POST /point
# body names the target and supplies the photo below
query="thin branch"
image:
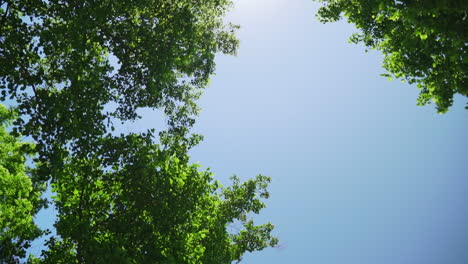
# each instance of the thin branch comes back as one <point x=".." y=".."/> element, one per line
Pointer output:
<point x="4" y="15"/>
<point x="33" y="86"/>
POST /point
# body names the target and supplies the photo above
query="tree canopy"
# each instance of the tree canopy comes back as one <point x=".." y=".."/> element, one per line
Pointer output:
<point x="19" y="198"/>
<point x="73" y="69"/>
<point x="424" y="42"/>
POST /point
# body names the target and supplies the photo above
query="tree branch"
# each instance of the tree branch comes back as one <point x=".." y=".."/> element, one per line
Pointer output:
<point x="4" y="15"/>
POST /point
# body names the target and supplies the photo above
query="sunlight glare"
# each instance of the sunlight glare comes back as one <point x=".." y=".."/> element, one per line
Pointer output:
<point x="257" y="9"/>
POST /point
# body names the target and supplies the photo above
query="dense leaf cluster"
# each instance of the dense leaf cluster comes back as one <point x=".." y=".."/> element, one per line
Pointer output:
<point x="19" y="198"/>
<point x="424" y="42"/>
<point x="75" y="67"/>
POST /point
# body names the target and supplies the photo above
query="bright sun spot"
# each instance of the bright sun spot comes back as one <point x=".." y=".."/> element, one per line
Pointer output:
<point x="257" y="9"/>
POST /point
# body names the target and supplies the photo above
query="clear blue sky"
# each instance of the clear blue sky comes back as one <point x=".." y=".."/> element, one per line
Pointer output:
<point x="361" y="175"/>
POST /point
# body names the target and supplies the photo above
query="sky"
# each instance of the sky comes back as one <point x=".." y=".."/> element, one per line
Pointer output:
<point x="361" y="175"/>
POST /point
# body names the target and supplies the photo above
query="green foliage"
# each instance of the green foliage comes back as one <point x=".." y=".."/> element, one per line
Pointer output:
<point x="19" y="199"/>
<point x="123" y="198"/>
<point x="151" y="207"/>
<point x="424" y="42"/>
<point x="56" y="63"/>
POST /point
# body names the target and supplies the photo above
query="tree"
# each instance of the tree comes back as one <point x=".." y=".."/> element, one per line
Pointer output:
<point x="19" y="198"/>
<point x="424" y="42"/>
<point x="152" y="207"/>
<point x="74" y="69"/>
<point x="55" y="59"/>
